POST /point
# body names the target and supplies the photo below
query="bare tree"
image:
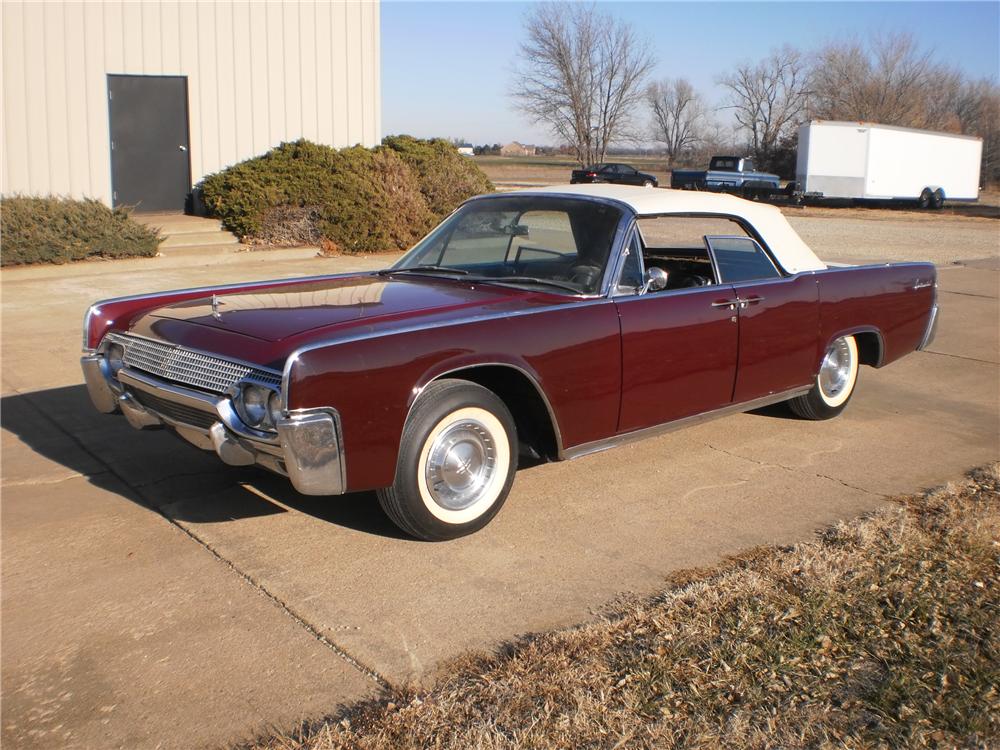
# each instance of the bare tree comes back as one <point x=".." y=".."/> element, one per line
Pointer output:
<point x="581" y="74"/>
<point x="679" y="115"/>
<point x="768" y="98"/>
<point x="890" y="80"/>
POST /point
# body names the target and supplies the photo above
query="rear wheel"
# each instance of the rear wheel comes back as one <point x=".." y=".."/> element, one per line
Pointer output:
<point x="456" y="462"/>
<point x="924" y="201"/>
<point x="937" y="199"/>
<point x="834" y="386"/>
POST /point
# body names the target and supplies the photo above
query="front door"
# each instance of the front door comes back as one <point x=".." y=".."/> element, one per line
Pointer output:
<point x="150" y="161"/>
<point x="678" y="354"/>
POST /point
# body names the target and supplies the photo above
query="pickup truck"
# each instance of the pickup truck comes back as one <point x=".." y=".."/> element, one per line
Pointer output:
<point x="727" y="174"/>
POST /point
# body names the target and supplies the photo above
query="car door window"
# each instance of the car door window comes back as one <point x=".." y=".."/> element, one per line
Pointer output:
<point x="631" y="279"/>
<point x="740" y="259"/>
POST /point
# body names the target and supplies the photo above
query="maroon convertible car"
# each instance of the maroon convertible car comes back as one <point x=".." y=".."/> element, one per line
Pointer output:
<point x="546" y="323"/>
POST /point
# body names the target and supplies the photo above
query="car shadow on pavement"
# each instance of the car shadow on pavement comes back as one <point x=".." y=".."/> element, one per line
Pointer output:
<point x="159" y="471"/>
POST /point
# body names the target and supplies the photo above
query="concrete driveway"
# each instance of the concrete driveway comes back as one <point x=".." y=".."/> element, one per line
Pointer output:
<point x="153" y="597"/>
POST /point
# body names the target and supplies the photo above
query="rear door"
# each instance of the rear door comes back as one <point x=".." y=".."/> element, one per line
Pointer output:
<point x="778" y="319"/>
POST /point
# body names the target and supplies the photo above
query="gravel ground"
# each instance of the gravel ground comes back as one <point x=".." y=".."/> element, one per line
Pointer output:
<point x="849" y="238"/>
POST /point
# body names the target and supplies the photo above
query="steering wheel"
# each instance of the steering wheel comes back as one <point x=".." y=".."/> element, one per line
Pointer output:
<point x="585" y="274"/>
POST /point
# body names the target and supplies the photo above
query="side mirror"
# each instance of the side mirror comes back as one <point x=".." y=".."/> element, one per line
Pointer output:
<point x="656" y="279"/>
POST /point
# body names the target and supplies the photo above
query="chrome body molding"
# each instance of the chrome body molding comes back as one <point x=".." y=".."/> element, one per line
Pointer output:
<point x="95" y="309"/>
<point x="629" y="437"/>
<point x="312" y="444"/>
<point x="932" y="325"/>
<point x="286" y="374"/>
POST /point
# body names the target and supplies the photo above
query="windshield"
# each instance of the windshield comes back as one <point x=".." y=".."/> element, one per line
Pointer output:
<point x="562" y="244"/>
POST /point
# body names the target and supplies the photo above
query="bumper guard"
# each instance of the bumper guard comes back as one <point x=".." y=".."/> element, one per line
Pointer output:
<point x="308" y="446"/>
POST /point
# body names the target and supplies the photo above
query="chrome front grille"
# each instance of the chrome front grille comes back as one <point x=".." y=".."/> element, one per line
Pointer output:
<point x="182" y="365"/>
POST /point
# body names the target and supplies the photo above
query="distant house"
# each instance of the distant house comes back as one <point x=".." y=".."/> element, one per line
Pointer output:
<point x="466" y="149"/>
<point x="517" y="149"/>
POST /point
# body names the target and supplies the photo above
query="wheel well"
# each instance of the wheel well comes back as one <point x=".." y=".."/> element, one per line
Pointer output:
<point x="869" y="348"/>
<point x="535" y="428"/>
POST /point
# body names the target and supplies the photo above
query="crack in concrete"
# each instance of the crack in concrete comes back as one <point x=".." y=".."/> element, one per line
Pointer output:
<point x="959" y="356"/>
<point x="967" y="294"/>
<point x="262" y="590"/>
<point x="172" y="477"/>
<point x="796" y="470"/>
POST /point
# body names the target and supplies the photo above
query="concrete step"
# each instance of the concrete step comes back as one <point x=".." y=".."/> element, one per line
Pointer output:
<point x="200" y="239"/>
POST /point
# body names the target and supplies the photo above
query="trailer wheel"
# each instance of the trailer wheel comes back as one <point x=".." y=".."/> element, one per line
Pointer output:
<point x="937" y="199"/>
<point x="924" y="201"/>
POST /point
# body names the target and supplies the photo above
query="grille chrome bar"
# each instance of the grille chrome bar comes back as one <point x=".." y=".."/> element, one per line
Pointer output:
<point x="183" y="365"/>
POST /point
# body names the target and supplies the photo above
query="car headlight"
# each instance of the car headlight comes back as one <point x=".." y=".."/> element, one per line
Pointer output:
<point x="253" y="406"/>
<point x="115" y="356"/>
<point x="274" y="408"/>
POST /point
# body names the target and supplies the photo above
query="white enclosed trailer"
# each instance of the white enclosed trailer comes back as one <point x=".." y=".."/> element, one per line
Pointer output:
<point x="868" y="161"/>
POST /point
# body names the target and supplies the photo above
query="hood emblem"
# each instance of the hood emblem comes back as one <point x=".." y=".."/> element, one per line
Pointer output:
<point x="215" y="307"/>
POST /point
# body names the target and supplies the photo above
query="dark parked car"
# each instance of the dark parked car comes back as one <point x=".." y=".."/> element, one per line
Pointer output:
<point x="548" y="323"/>
<point x="616" y="174"/>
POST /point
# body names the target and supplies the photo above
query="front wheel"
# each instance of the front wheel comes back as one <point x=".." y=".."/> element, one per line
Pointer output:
<point x="834" y="386"/>
<point x="456" y="462"/>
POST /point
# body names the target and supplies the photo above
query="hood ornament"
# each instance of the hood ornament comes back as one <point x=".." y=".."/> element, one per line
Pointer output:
<point x="215" y="307"/>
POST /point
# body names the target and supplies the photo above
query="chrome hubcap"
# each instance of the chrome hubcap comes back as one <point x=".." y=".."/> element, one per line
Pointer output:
<point x="836" y="369"/>
<point x="460" y="464"/>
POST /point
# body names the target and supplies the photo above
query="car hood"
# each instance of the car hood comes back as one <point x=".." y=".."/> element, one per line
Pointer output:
<point x="293" y="313"/>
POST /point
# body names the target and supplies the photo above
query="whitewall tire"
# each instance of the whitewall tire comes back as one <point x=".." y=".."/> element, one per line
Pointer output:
<point x="456" y="462"/>
<point x="835" y="382"/>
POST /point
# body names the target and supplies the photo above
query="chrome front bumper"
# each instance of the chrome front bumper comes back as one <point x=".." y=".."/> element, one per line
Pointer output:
<point x="307" y="447"/>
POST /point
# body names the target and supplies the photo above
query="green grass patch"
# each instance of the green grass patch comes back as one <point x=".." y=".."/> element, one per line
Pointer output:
<point x="60" y="230"/>
<point x="884" y="632"/>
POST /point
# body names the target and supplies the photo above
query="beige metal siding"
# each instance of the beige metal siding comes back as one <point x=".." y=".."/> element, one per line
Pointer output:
<point x="259" y="73"/>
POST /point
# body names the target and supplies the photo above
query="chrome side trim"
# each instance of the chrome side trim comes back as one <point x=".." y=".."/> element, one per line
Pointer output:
<point x="596" y="446"/>
<point x="312" y="443"/>
<point x="352" y="338"/>
<point x="931" y="330"/>
<point x="95" y="308"/>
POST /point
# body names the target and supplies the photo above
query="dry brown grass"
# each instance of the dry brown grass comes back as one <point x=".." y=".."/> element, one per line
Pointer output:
<point x="882" y="632"/>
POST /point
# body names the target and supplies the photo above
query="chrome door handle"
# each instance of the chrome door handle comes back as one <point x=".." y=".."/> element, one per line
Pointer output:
<point x="751" y="300"/>
<point x="730" y="303"/>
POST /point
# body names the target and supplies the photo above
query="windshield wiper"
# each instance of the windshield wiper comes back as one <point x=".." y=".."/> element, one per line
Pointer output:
<point x="514" y="280"/>
<point x="423" y="269"/>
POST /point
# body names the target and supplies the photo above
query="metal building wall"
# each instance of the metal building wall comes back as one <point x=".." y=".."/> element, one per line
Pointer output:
<point x="258" y="73"/>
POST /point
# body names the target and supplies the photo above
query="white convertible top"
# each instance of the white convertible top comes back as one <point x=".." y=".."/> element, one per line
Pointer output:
<point x="789" y="250"/>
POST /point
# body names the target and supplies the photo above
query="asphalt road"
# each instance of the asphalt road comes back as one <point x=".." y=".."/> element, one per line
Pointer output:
<point x="153" y="597"/>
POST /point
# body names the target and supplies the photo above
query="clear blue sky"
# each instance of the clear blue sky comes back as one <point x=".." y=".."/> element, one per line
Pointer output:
<point x="446" y="65"/>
